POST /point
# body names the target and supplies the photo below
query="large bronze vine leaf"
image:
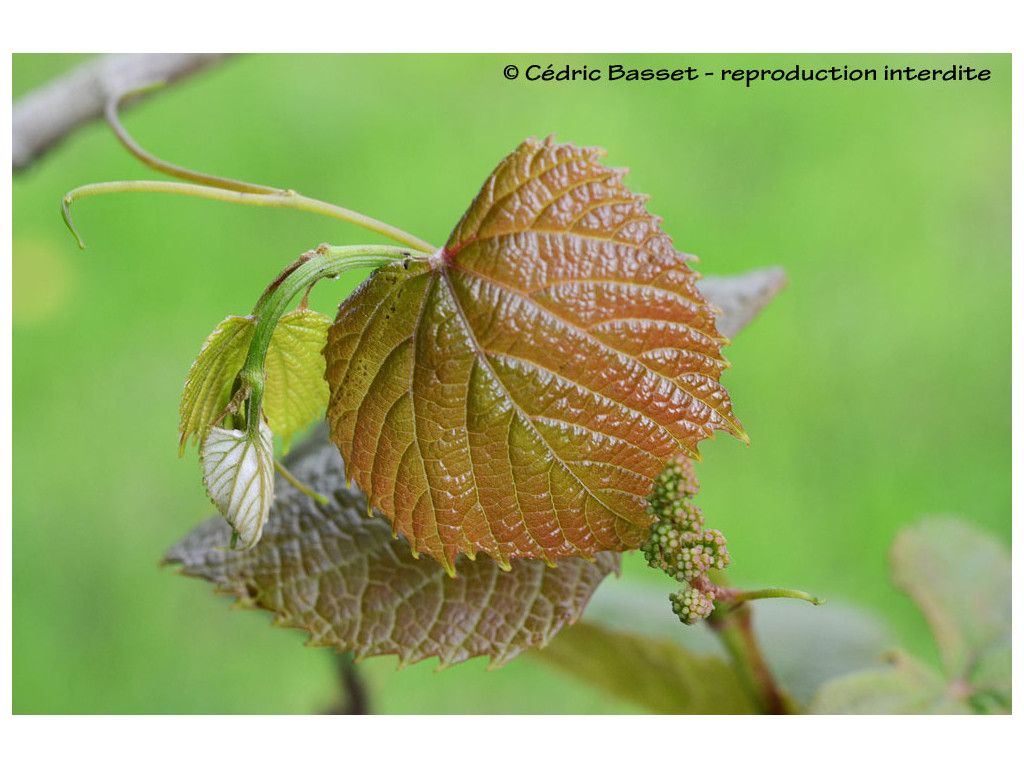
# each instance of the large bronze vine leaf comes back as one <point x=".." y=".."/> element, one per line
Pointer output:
<point x="517" y="393"/>
<point x="332" y="570"/>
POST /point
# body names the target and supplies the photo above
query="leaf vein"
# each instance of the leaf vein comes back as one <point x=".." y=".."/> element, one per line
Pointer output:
<point x="482" y="356"/>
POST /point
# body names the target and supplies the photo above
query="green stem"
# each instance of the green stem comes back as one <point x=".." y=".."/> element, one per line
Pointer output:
<point x="205" y="185"/>
<point x="326" y="261"/>
<point x="110" y="111"/>
<point x="275" y="199"/>
<point x="299" y="485"/>
<point x="736" y="596"/>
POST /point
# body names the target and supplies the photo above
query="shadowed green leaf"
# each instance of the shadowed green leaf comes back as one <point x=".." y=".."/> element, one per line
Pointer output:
<point x="654" y="673"/>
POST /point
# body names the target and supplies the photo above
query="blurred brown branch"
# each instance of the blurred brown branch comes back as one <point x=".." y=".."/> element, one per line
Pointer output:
<point x="354" y="699"/>
<point x="42" y="118"/>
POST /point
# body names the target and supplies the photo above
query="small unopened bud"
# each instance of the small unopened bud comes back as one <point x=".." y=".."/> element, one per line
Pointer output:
<point x="239" y="478"/>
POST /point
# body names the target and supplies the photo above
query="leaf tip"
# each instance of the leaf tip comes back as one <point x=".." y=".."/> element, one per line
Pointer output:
<point x="741" y="434"/>
<point x="65" y="212"/>
<point x="499" y="557"/>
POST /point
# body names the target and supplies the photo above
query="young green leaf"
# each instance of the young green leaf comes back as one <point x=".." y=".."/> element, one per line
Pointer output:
<point x="905" y="687"/>
<point x="343" y="576"/>
<point x="295" y="392"/>
<point x="960" y="578"/>
<point x="212" y="375"/>
<point x="517" y="394"/>
<point x="239" y="477"/>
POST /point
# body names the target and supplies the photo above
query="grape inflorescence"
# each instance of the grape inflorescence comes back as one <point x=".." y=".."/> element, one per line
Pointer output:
<point x="680" y="545"/>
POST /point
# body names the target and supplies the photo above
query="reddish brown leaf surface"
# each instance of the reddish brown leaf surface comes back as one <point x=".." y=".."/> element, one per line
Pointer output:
<point x="517" y="394"/>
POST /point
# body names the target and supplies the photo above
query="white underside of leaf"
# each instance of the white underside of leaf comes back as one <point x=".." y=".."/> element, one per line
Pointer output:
<point x="239" y="478"/>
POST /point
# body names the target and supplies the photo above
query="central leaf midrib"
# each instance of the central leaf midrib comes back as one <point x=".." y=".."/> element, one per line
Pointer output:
<point x="449" y="566"/>
<point x="481" y="355"/>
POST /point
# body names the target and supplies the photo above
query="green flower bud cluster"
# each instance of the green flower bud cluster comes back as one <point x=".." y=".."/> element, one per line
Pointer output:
<point x="680" y="545"/>
<point x="691" y="605"/>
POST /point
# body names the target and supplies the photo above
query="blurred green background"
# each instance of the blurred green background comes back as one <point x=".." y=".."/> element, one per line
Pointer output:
<point x="876" y="389"/>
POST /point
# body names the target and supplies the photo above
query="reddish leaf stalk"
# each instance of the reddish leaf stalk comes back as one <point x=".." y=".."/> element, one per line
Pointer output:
<point x="732" y="624"/>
